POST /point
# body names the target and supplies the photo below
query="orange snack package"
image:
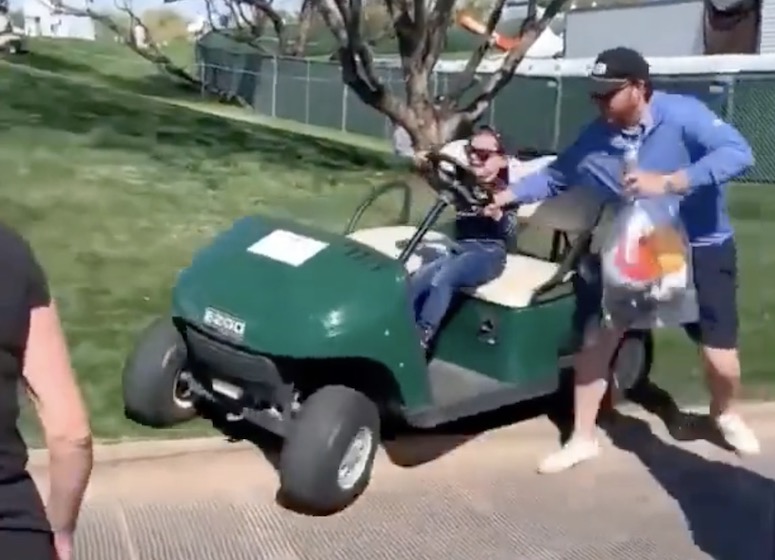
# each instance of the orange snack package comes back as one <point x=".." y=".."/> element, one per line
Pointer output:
<point x="469" y="23"/>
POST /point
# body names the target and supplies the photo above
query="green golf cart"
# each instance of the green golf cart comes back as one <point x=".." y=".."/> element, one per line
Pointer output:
<point x="311" y="335"/>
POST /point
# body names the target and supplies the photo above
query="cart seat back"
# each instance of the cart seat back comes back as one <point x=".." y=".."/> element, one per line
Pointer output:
<point x="575" y="211"/>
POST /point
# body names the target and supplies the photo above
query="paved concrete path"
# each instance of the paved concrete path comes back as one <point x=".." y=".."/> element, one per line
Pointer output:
<point x="468" y="497"/>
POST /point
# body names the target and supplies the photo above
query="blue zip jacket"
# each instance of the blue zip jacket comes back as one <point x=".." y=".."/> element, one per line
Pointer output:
<point x="677" y="132"/>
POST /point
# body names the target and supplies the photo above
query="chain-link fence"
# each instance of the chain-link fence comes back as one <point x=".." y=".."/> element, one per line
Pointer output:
<point x="537" y="112"/>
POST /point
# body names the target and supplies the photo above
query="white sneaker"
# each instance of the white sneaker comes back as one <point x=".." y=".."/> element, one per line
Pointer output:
<point x="575" y="451"/>
<point x="737" y="434"/>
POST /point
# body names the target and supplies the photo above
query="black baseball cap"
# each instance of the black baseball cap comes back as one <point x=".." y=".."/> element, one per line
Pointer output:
<point x="614" y="68"/>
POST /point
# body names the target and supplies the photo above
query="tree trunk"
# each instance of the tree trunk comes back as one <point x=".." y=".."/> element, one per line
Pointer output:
<point x="429" y="124"/>
<point x="431" y="127"/>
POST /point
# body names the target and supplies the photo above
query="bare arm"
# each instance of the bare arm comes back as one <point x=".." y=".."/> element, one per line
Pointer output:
<point x="62" y="413"/>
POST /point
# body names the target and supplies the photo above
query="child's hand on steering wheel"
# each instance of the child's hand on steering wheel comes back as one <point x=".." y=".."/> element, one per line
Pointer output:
<point x="420" y="158"/>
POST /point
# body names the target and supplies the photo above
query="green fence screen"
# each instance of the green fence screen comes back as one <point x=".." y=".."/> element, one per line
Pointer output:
<point x="540" y="113"/>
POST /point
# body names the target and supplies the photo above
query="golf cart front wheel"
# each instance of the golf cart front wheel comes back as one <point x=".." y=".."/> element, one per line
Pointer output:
<point x="154" y="382"/>
<point x="327" y="459"/>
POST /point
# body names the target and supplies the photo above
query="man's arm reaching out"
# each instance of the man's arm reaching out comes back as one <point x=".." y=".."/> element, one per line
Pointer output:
<point x="549" y="181"/>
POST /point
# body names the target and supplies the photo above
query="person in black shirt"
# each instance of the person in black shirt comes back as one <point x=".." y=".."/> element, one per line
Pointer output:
<point x="33" y="352"/>
<point x="480" y="252"/>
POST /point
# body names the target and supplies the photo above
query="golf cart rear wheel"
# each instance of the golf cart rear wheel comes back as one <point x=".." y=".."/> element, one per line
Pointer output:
<point x="154" y="385"/>
<point x="327" y="458"/>
<point x="631" y="365"/>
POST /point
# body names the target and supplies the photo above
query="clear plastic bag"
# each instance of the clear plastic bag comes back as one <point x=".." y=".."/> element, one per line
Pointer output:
<point x="647" y="267"/>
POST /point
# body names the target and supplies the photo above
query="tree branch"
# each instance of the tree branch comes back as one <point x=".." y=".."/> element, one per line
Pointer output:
<point x="530" y="31"/>
<point x="265" y="7"/>
<point x="465" y="81"/>
<point x="355" y="55"/>
<point x="305" y="22"/>
<point x="435" y="32"/>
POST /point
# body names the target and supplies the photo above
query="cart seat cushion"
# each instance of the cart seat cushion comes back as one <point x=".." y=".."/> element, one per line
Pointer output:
<point x="514" y="288"/>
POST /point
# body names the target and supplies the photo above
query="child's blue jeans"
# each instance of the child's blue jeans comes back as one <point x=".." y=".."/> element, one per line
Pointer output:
<point x="473" y="263"/>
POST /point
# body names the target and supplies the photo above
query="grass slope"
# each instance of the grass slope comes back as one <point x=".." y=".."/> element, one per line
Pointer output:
<point x="116" y="191"/>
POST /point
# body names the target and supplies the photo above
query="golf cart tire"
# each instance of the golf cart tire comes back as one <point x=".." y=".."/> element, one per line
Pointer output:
<point x="150" y="376"/>
<point x="633" y="361"/>
<point x="328" y="423"/>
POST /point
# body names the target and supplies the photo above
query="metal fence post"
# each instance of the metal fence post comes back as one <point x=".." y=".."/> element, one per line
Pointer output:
<point x="308" y="87"/>
<point x="344" y="108"/>
<point x="557" y="114"/>
<point x="256" y="101"/>
<point x="730" y="104"/>
<point x="274" y="87"/>
<point x="202" y="70"/>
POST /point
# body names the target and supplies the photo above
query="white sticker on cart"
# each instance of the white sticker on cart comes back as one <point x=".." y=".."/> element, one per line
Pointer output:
<point x="287" y="247"/>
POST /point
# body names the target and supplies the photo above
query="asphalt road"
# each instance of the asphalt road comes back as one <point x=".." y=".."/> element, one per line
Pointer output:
<point x="472" y="496"/>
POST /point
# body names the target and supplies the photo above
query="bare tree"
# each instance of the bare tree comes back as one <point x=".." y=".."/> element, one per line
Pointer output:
<point x="148" y="49"/>
<point x="420" y="28"/>
<point x="251" y="23"/>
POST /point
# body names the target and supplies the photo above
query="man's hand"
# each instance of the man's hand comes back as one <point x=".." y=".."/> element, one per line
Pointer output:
<point x="499" y="200"/>
<point x="646" y="183"/>
<point x="63" y="545"/>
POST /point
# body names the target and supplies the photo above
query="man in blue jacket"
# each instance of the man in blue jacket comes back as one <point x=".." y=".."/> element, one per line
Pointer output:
<point x="684" y="149"/>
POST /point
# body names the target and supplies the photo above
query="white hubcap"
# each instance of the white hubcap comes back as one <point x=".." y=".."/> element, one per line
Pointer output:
<point x="181" y="393"/>
<point x="355" y="459"/>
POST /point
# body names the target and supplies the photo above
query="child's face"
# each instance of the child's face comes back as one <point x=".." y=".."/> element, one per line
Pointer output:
<point x="486" y="156"/>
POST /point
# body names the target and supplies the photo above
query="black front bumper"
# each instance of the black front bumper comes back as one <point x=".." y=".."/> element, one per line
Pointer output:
<point x="218" y="358"/>
<point x="257" y="375"/>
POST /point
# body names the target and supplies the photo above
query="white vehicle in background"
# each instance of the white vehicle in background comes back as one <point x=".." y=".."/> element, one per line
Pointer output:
<point x="12" y="38"/>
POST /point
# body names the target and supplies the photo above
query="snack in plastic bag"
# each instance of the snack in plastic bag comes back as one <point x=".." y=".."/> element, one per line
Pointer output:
<point x="646" y="267"/>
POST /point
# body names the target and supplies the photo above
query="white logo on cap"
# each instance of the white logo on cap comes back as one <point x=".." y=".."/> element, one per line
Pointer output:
<point x="599" y="69"/>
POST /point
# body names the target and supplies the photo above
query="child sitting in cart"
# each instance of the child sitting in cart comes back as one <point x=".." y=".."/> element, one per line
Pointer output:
<point x="480" y="252"/>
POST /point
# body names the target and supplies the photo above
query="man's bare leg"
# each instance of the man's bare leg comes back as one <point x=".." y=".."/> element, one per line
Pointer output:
<point x="591" y="373"/>
<point x="722" y="375"/>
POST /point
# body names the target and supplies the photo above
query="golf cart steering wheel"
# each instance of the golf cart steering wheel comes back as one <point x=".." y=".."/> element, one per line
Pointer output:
<point x="464" y="185"/>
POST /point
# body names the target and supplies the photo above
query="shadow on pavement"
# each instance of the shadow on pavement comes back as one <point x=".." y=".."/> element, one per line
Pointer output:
<point x="728" y="509"/>
<point x="681" y="425"/>
<point x="412" y="447"/>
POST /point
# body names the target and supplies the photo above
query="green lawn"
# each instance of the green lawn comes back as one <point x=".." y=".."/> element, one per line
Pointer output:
<point x="116" y="191"/>
<point x="108" y="63"/>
